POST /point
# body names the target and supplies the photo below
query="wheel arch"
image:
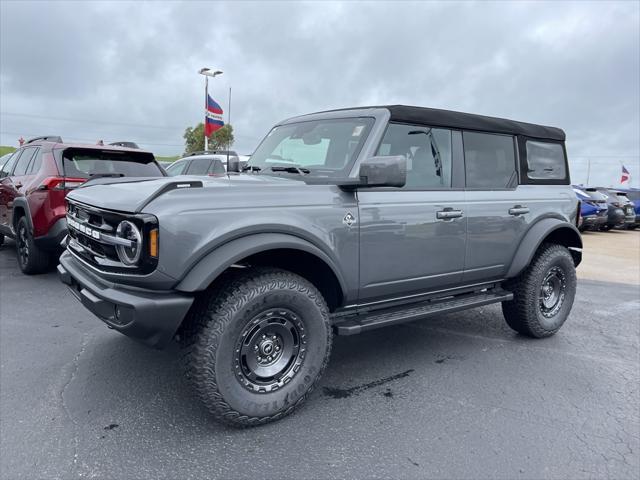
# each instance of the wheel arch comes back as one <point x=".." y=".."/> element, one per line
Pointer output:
<point x="20" y="208"/>
<point x="548" y="230"/>
<point x="269" y="249"/>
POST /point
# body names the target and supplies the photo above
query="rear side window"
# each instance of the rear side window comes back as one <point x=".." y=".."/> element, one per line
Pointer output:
<point x="545" y="161"/>
<point x="217" y="167"/>
<point x="23" y="162"/>
<point x="84" y="163"/>
<point x="36" y="163"/>
<point x="8" y="165"/>
<point x="199" y="166"/>
<point x="490" y="161"/>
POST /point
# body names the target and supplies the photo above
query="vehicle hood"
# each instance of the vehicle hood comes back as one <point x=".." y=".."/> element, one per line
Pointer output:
<point x="135" y="195"/>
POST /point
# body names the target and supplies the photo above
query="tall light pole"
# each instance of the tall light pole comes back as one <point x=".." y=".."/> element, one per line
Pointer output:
<point x="207" y="72"/>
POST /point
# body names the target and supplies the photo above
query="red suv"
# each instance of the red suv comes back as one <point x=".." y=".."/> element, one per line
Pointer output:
<point x="35" y="180"/>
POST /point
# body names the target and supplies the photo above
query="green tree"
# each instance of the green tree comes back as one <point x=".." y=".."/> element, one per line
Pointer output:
<point x="221" y="139"/>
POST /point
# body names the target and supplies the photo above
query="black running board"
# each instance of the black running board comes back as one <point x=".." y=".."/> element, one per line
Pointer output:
<point x="357" y="323"/>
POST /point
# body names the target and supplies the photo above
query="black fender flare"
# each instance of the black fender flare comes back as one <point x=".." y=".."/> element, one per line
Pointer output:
<point x="200" y="276"/>
<point x="21" y="202"/>
<point x="561" y="231"/>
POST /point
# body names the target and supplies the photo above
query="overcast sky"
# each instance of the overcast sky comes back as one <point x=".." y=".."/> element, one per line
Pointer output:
<point x="127" y="71"/>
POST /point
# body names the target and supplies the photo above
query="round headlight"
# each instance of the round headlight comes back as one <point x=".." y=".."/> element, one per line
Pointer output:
<point x="129" y="255"/>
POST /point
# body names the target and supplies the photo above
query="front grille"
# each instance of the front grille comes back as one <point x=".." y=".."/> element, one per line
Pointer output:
<point x="93" y="230"/>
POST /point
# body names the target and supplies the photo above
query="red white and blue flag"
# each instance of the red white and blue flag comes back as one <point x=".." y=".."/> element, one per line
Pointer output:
<point x="626" y="176"/>
<point x="212" y="117"/>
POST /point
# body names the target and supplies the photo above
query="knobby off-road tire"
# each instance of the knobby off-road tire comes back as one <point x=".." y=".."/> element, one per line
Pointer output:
<point x="543" y="294"/>
<point x="256" y="346"/>
<point x="31" y="258"/>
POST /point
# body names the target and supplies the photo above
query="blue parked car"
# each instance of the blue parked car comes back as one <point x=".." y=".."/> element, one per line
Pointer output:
<point x="593" y="209"/>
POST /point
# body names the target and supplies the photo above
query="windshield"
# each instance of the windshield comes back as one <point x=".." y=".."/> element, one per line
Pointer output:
<point x="319" y="147"/>
<point x="86" y="163"/>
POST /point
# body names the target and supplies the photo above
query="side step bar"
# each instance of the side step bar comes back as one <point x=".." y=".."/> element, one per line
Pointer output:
<point x="357" y="323"/>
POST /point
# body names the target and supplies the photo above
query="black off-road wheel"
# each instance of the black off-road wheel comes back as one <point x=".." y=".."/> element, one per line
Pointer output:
<point x="543" y="293"/>
<point x="31" y="258"/>
<point x="257" y="345"/>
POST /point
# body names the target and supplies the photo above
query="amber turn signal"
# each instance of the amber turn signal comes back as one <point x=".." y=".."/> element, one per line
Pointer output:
<point x="153" y="243"/>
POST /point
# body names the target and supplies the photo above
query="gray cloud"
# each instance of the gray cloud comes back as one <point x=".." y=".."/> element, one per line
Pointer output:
<point x="127" y="70"/>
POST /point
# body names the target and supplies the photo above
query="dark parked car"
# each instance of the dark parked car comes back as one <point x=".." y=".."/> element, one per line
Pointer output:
<point x="621" y="211"/>
<point x="346" y="221"/>
<point x="593" y="209"/>
<point x="199" y="164"/>
<point x="35" y="180"/>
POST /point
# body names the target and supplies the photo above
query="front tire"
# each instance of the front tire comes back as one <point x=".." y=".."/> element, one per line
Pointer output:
<point x="543" y="294"/>
<point x="31" y="258"/>
<point x="257" y="346"/>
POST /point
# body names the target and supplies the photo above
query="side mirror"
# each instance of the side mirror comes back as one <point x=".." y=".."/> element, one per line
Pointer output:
<point x="388" y="171"/>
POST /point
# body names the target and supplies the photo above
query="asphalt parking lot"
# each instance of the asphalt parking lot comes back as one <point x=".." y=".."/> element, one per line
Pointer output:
<point x="461" y="396"/>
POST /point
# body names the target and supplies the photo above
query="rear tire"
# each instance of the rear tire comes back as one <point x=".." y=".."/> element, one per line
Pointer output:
<point x="31" y="258"/>
<point x="257" y="345"/>
<point x="543" y="294"/>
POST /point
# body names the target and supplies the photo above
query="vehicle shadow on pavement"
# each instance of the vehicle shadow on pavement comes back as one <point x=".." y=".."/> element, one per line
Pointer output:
<point x="120" y="381"/>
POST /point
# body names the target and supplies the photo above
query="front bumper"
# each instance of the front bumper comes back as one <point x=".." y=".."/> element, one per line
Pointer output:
<point x="594" y="220"/>
<point x="151" y="317"/>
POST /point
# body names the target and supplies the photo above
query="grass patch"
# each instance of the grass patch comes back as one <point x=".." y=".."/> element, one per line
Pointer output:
<point x="4" y="150"/>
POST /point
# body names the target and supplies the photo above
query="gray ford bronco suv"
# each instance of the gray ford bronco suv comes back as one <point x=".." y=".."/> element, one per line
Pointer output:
<point x="343" y="221"/>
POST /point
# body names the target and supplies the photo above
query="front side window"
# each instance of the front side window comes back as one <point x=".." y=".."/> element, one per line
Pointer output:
<point x="177" y="168"/>
<point x="489" y="160"/>
<point x="428" y="154"/>
<point x="545" y="161"/>
<point x="319" y="147"/>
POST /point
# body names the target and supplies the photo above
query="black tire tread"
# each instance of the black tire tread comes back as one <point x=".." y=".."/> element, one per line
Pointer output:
<point x="517" y="312"/>
<point x="213" y="312"/>
<point x="39" y="260"/>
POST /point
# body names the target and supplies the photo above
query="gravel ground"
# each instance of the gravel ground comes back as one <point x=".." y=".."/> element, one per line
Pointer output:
<point x="460" y="396"/>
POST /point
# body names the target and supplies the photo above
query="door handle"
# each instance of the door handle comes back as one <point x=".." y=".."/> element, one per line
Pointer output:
<point x="518" y="210"/>
<point x="448" y="214"/>
<point x="17" y="185"/>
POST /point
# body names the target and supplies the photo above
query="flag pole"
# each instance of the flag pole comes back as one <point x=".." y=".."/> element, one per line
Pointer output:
<point x="206" y="102"/>
<point x="229" y="123"/>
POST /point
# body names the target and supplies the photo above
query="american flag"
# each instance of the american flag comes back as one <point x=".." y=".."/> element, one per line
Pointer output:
<point x="626" y="176"/>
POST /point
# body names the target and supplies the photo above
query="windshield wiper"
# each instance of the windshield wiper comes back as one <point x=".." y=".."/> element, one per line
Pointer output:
<point x="291" y="169"/>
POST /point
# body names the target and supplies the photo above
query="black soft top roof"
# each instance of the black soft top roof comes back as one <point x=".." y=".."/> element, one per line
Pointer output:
<point x="468" y="121"/>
